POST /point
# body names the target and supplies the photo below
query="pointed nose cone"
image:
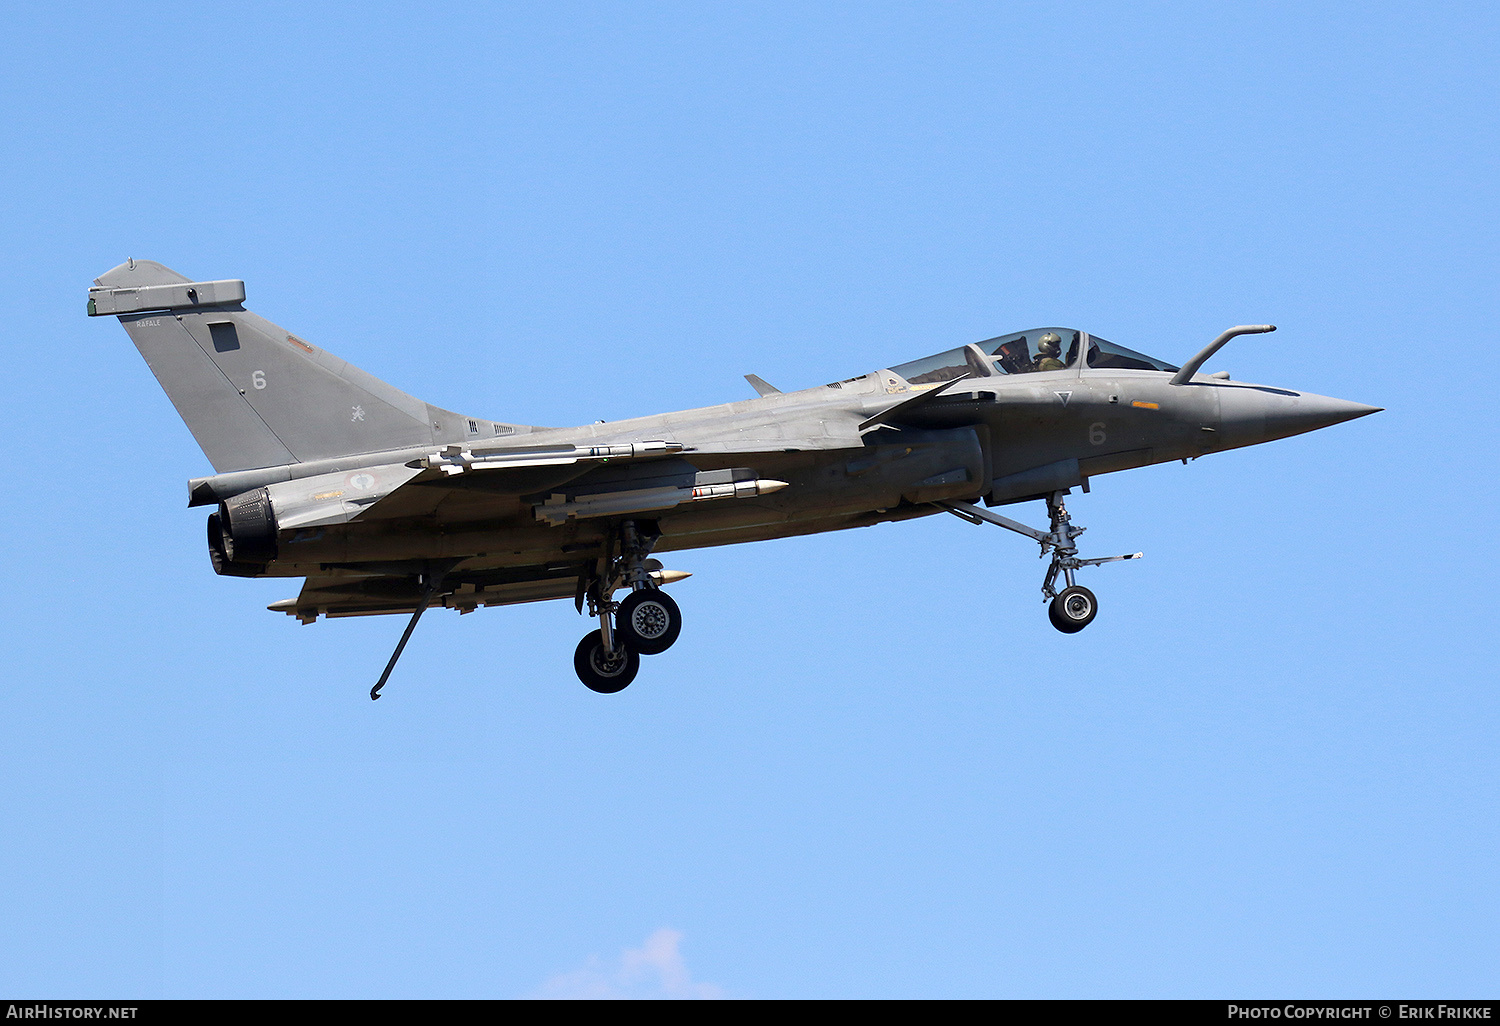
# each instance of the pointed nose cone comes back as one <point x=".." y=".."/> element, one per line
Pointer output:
<point x="1252" y="414"/>
<point x="1310" y="412"/>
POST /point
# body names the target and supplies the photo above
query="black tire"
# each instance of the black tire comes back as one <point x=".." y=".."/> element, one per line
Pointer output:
<point x="1073" y="609"/>
<point x="648" y="621"/>
<point x="605" y="676"/>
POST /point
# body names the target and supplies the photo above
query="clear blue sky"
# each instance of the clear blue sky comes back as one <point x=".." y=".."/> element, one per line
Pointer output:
<point x="870" y="767"/>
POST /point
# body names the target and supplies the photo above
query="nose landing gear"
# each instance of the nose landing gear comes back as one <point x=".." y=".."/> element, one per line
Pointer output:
<point x="1073" y="608"/>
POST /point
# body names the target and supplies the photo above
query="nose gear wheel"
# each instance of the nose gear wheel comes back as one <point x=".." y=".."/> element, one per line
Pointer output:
<point x="1073" y="609"/>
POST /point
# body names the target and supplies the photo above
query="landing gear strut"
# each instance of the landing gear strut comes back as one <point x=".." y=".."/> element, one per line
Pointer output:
<point x="647" y="622"/>
<point x="1073" y="608"/>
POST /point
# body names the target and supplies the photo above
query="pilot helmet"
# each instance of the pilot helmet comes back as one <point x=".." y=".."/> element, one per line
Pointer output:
<point x="1048" y="345"/>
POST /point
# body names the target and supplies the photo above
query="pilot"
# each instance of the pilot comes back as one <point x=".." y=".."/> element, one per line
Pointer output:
<point x="1047" y="349"/>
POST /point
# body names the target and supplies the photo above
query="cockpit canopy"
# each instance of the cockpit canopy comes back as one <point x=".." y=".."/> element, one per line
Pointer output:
<point x="1027" y="352"/>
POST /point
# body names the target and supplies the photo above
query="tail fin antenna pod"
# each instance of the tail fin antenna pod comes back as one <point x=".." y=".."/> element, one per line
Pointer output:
<point x="254" y="395"/>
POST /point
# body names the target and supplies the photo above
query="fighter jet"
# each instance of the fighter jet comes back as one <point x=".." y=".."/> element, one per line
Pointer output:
<point x="387" y="504"/>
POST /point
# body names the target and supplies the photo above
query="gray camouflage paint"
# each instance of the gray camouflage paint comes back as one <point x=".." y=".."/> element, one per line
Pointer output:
<point x="364" y="498"/>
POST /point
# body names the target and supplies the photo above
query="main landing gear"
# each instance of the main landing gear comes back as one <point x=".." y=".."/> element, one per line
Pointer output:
<point x="647" y="622"/>
<point x="607" y="660"/>
<point x="1073" y="608"/>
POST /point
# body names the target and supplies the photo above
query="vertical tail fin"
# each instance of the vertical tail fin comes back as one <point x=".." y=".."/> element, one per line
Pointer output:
<point x="253" y="394"/>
